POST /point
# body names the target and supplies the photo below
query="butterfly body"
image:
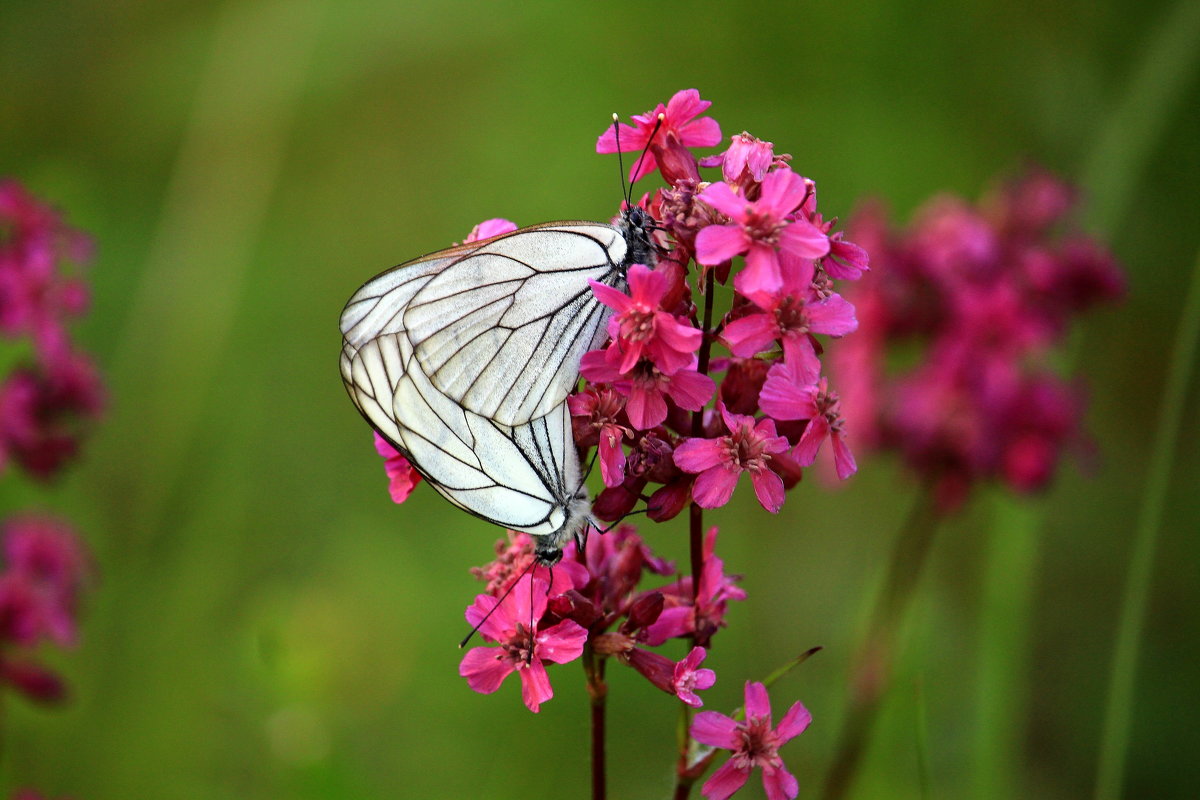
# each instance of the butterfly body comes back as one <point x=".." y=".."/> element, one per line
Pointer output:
<point x="463" y="359"/>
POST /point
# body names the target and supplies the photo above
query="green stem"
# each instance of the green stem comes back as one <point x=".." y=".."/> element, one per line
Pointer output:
<point x="1117" y="713"/>
<point x="872" y="669"/>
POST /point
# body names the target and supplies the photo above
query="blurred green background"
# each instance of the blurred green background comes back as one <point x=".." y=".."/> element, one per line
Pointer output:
<point x="269" y="625"/>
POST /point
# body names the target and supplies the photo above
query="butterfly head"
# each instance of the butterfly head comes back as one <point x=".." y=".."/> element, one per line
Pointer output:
<point x="636" y="225"/>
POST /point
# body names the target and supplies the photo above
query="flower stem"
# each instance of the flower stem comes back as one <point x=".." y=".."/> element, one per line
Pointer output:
<point x="1119" y="703"/>
<point x="683" y="785"/>
<point x="598" y="693"/>
<point x="871" y="672"/>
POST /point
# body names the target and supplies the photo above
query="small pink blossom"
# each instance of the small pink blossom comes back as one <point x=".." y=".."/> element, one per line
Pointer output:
<point x="763" y="230"/>
<point x="689" y="678"/>
<point x="788" y="394"/>
<point x="791" y="315"/>
<point x="44" y="411"/>
<point x="647" y="387"/>
<point x="680" y="128"/>
<point x="402" y="475"/>
<point x="703" y="615"/>
<point x="521" y="650"/>
<point x="594" y="414"/>
<point x="640" y="328"/>
<point x="754" y="742"/>
<point x="718" y="462"/>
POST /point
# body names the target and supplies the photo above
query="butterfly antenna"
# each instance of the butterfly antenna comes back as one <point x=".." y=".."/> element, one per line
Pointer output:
<point x="625" y="189"/>
<point x="532" y="632"/>
<point x="618" y="521"/>
<point x="649" y="141"/>
<point x="501" y="599"/>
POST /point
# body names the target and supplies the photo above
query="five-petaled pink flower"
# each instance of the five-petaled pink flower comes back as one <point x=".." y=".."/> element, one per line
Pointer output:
<point x="788" y="393"/>
<point x="522" y="649"/>
<point x="754" y="744"/>
<point x="764" y="230"/>
<point x="690" y="678"/>
<point x="641" y="329"/>
<point x="402" y="476"/>
<point x="719" y="462"/>
<point x="791" y="314"/>
<point x="680" y="129"/>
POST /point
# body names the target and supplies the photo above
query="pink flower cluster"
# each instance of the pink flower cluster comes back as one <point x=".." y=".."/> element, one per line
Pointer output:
<point x="979" y="294"/>
<point x="46" y="402"/>
<point x="658" y="366"/>
<point x="50" y="397"/>
<point x="594" y="598"/>
<point x="45" y="568"/>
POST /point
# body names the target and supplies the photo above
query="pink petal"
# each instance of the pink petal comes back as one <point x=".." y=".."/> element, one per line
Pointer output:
<point x="782" y="397"/>
<point x="751" y="334"/>
<point x="833" y="316"/>
<point x="798" y="351"/>
<point x="758" y="703"/>
<point x="768" y="488"/>
<point x="782" y="191"/>
<point x="535" y="685"/>
<point x="721" y="197"/>
<point x="631" y="139"/>
<point x="616" y="300"/>
<point x="725" y="781"/>
<point x="803" y="239"/>
<point x="489" y="228"/>
<point x="485" y="668"/>
<point x="780" y="784"/>
<point x="718" y="243"/>
<point x="793" y="723"/>
<point x="690" y="390"/>
<point x="714" y="487"/>
<point x="646" y="286"/>
<point x="697" y="455"/>
<point x="595" y="366"/>
<point x="612" y="459"/>
<point x="497" y="626"/>
<point x="646" y="407"/>
<point x="672" y="622"/>
<point x="761" y="273"/>
<point x="716" y="730"/>
<point x="678" y="334"/>
<point x="843" y="459"/>
<point x="561" y="643"/>
<point x="810" y="441"/>
<point x="684" y="105"/>
<point x="644" y="164"/>
<point x="704" y="132"/>
<point x="384" y="447"/>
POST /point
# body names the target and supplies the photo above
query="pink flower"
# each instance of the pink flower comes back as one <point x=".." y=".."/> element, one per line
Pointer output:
<point x="788" y="394"/>
<point x="522" y="649"/>
<point x="47" y="569"/>
<point x="791" y="314"/>
<point x="44" y="411"/>
<point x="763" y="230"/>
<point x="747" y="159"/>
<point x="402" y="475"/>
<point x="489" y="228"/>
<point x="682" y="617"/>
<point x="647" y="387"/>
<point x="680" y="128"/>
<point x="641" y="329"/>
<point x="594" y="413"/>
<point x="514" y="556"/>
<point x="689" y="678"/>
<point x="718" y="462"/>
<point x="754" y="744"/>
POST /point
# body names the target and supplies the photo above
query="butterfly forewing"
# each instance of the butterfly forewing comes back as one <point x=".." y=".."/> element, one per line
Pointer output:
<point x="502" y="329"/>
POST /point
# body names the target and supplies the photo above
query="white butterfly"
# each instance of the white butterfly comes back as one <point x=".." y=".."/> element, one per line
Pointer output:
<point x="463" y="360"/>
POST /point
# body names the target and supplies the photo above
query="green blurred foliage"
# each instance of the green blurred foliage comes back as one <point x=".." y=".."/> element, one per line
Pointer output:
<point x="269" y="625"/>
